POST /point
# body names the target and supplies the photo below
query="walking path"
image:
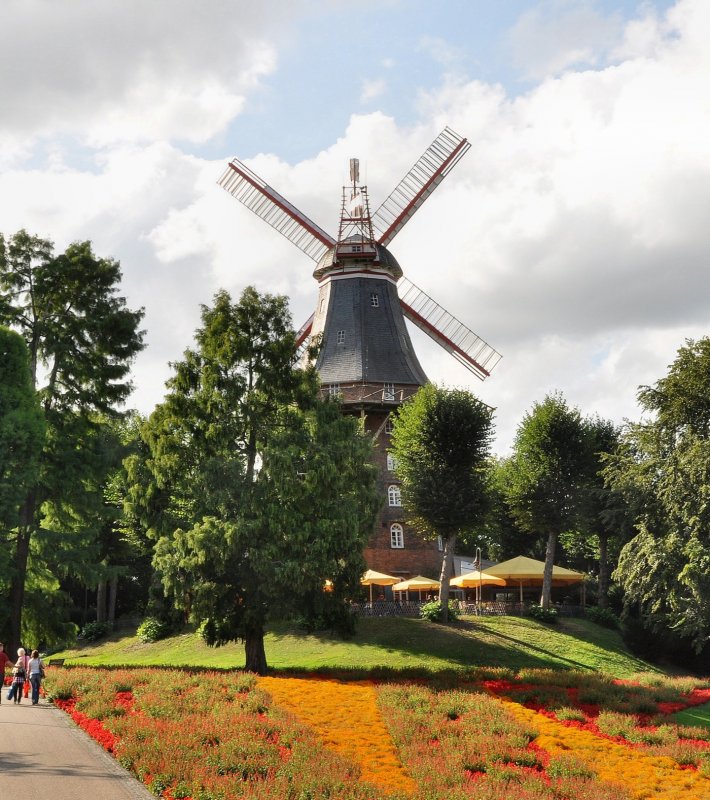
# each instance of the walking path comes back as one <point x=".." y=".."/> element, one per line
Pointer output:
<point x="43" y="754"/>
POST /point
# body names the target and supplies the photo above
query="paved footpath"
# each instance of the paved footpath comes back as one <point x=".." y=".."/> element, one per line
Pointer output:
<point x="43" y="754"/>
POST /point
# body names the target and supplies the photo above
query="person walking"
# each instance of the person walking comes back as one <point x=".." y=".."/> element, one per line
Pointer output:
<point x="4" y="661"/>
<point x="19" y="675"/>
<point x="36" y="672"/>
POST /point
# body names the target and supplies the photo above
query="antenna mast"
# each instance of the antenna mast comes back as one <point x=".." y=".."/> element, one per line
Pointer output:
<point x="355" y="234"/>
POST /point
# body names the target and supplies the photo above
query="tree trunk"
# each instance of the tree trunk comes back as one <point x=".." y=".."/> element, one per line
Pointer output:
<point x="603" y="597"/>
<point x="101" y="601"/>
<point x="547" y="574"/>
<point x="254" y="650"/>
<point x="113" y="591"/>
<point x="17" y="584"/>
<point x="447" y="564"/>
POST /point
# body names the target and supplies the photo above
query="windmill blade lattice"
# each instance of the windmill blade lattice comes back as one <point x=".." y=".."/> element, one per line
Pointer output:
<point x="267" y="203"/>
<point x="421" y="180"/>
<point x="450" y="333"/>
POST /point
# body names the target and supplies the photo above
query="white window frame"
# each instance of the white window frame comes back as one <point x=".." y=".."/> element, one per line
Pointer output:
<point x="391" y="462"/>
<point x="394" y="495"/>
<point x="389" y="426"/>
<point x="388" y="392"/>
<point x="397" y="536"/>
<point x="334" y="390"/>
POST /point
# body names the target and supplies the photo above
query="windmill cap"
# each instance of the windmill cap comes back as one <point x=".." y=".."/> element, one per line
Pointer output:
<point x="384" y="261"/>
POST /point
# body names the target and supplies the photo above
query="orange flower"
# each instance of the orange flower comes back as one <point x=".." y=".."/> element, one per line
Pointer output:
<point x="643" y="776"/>
<point x="346" y="718"/>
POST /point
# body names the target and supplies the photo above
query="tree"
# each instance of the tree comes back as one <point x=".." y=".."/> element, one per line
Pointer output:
<point x="21" y="440"/>
<point x="546" y="475"/>
<point x="82" y="339"/>
<point x="441" y="442"/>
<point x="21" y="427"/>
<point x="607" y="522"/>
<point x="259" y="490"/>
<point x="663" y="470"/>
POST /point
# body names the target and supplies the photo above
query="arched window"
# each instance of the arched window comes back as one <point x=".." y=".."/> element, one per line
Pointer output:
<point x="389" y="425"/>
<point x="394" y="495"/>
<point x="397" y="536"/>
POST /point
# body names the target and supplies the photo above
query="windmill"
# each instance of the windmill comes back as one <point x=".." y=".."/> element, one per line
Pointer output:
<point x="365" y="354"/>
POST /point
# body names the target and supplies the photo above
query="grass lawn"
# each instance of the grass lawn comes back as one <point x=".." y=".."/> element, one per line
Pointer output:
<point x="700" y="715"/>
<point x="391" y="642"/>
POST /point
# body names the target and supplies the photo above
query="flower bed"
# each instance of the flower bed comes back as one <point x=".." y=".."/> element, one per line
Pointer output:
<point x="537" y="735"/>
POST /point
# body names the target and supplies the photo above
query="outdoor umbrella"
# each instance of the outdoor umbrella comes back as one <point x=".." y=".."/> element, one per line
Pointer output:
<point x="522" y="570"/>
<point x="372" y="578"/>
<point x="418" y="584"/>
<point x="475" y="580"/>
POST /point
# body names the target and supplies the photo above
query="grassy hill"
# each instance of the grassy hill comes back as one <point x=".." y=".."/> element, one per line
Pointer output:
<point x="394" y="643"/>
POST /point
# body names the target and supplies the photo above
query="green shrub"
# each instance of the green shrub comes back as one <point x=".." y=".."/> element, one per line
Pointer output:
<point x="93" y="631"/>
<point x="153" y="629"/>
<point x="541" y="614"/>
<point x="432" y="611"/>
<point x="602" y="616"/>
<point x="567" y="712"/>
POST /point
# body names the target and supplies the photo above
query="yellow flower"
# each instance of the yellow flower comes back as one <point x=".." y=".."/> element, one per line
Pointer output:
<point x="346" y="718"/>
<point x="643" y="776"/>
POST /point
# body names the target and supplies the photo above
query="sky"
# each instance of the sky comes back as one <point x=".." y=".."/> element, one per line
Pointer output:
<point x="573" y="236"/>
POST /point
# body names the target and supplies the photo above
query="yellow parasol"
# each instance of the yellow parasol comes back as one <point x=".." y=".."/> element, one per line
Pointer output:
<point x="530" y="571"/>
<point x="418" y="584"/>
<point x="372" y="578"/>
<point x="470" y="580"/>
<point x="476" y="580"/>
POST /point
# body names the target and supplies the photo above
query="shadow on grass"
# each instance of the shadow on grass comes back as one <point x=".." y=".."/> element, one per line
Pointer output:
<point x="416" y="643"/>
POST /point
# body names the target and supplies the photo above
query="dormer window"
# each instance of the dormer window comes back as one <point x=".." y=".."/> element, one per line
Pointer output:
<point x="374" y="300"/>
<point x="340" y="338"/>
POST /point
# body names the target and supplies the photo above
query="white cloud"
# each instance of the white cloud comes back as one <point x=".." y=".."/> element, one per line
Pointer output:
<point x="127" y="71"/>
<point x="572" y="236"/>
<point x="558" y="34"/>
<point x="372" y="89"/>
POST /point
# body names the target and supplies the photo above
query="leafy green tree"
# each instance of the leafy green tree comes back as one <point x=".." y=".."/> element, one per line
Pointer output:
<point x="607" y="525"/>
<point x="21" y="427"/>
<point x="546" y="476"/>
<point x="21" y="440"/>
<point x="441" y="444"/>
<point x="663" y="469"/>
<point x="82" y="339"/>
<point x="259" y="491"/>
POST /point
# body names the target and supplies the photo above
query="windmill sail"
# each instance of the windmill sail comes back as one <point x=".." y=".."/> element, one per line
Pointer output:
<point x="265" y="202"/>
<point x="421" y="180"/>
<point x="463" y="344"/>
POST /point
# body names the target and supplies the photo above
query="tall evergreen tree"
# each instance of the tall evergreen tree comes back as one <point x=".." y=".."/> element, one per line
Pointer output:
<point x="259" y="491"/>
<point x="82" y="339"/>
<point x="21" y="441"/>
<point x="441" y="444"/>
